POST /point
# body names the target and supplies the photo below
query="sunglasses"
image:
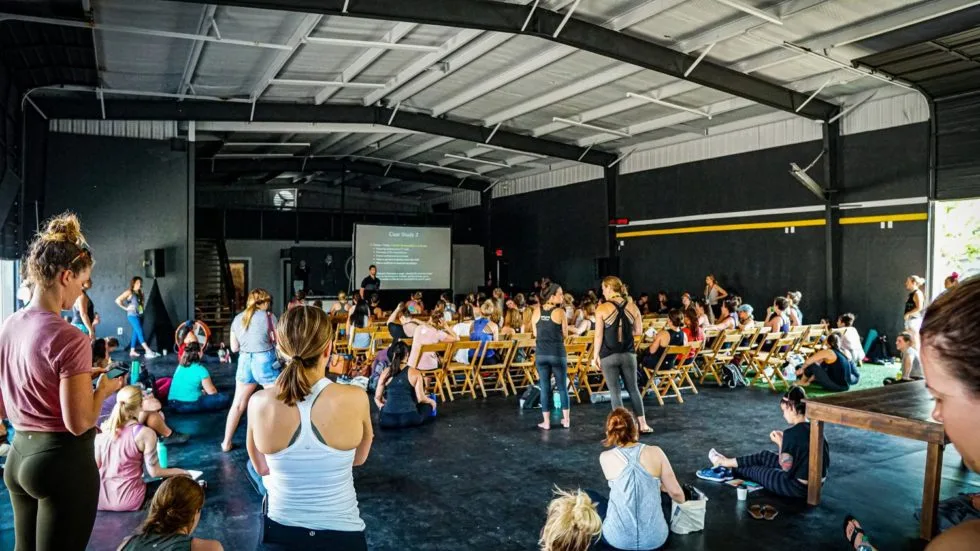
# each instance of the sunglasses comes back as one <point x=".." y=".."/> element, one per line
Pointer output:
<point x="85" y="252"/>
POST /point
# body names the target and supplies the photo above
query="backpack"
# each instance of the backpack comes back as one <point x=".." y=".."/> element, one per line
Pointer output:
<point x="531" y="398"/>
<point x="732" y="377"/>
<point x="622" y="327"/>
<point x="878" y="351"/>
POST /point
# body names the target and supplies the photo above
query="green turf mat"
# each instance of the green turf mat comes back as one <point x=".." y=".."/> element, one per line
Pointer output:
<point x="871" y="377"/>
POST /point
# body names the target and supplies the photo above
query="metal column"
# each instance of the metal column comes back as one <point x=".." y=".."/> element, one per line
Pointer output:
<point x="191" y="215"/>
<point x="611" y="178"/>
<point x="486" y="198"/>
<point x="832" y="229"/>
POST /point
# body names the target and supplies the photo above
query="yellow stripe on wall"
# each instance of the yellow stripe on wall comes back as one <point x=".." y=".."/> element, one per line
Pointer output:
<point x="912" y="217"/>
<point x="726" y="227"/>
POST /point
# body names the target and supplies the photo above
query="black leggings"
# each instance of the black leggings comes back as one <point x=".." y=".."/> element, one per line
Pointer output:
<point x="764" y="468"/>
<point x="54" y="490"/>
<point x="281" y="537"/>
<point x="405" y="420"/>
<point x="820" y="375"/>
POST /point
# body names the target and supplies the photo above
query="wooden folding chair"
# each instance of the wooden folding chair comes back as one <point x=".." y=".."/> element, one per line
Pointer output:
<point x="521" y="363"/>
<point x="434" y="380"/>
<point x="760" y="352"/>
<point x="686" y="364"/>
<point x="340" y="339"/>
<point x="498" y="370"/>
<point x="813" y="340"/>
<point x="361" y="355"/>
<point x="663" y="376"/>
<point x="775" y="359"/>
<point x="455" y="370"/>
<point x="576" y="354"/>
<point x="722" y="353"/>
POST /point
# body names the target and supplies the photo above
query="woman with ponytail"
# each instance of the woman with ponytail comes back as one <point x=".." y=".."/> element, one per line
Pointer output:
<point x="253" y="337"/>
<point x="550" y="327"/>
<point x="305" y="435"/>
<point x="132" y="302"/>
<point x="400" y="394"/>
<point x="915" y="306"/>
<point x="633" y="518"/>
<point x="46" y="393"/>
<point x="120" y="452"/>
<point x="784" y="472"/>
<point x="174" y="515"/>
<point x="573" y="523"/>
<point x="830" y="368"/>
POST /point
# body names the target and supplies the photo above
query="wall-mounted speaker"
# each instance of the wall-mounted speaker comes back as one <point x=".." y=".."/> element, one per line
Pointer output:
<point x="154" y="263"/>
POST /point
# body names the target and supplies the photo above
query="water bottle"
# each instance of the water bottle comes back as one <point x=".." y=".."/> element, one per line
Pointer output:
<point x="134" y="372"/>
<point x="556" y="400"/>
<point x="162" y="453"/>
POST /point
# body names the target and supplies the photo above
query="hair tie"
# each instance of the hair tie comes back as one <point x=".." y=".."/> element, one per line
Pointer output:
<point x="955" y="275"/>
<point x="298" y="358"/>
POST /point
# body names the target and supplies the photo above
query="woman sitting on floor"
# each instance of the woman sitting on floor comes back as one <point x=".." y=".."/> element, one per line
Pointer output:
<point x="573" y="523"/>
<point x="305" y="435"/>
<point x="174" y="514"/>
<point x="633" y="518"/>
<point x="400" y="395"/>
<point x="191" y="390"/>
<point x="829" y="368"/>
<point x="120" y="452"/>
<point x="850" y="339"/>
<point x="671" y="335"/>
<point x="911" y="366"/>
<point x="783" y="473"/>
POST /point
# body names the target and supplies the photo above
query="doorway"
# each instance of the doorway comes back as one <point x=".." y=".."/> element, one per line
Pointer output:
<point x="240" y="275"/>
<point x="957" y="241"/>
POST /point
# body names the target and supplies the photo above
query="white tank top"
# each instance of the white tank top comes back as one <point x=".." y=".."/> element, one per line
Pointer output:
<point x="310" y="484"/>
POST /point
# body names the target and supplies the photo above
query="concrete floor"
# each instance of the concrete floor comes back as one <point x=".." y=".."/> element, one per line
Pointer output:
<point x="481" y="476"/>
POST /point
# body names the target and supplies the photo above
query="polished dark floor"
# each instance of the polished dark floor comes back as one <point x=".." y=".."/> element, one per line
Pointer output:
<point x="481" y="476"/>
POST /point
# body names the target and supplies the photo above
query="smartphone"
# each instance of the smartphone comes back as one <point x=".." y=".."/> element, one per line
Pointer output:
<point x="113" y="372"/>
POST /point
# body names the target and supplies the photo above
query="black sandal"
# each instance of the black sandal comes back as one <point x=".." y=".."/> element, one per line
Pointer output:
<point x="854" y="533"/>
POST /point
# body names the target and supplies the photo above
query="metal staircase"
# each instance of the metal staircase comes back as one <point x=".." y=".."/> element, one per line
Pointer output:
<point x="214" y="293"/>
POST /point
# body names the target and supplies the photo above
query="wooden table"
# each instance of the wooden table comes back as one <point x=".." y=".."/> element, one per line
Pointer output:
<point x="899" y="410"/>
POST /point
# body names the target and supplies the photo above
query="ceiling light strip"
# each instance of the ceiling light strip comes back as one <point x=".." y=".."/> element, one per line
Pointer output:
<point x="668" y="104"/>
<point x="320" y="83"/>
<point x="751" y="11"/>
<point x="370" y="44"/>
<point x="592" y="127"/>
<point x="476" y="160"/>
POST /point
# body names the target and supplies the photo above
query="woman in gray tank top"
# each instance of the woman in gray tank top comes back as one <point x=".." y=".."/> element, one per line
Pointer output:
<point x="633" y="516"/>
<point x="174" y="514"/>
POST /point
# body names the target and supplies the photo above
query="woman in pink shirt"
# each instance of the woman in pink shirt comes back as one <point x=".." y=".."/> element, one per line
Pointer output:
<point x="435" y="331"/>
<point x="120" y="451"/>
<point x="46" y="392"/>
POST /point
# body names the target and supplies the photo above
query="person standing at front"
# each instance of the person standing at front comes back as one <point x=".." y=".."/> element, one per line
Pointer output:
<point x="371" y="283"/>
<point x="46" y="392"/>
<point x="618" y="323"/>
<point x="550" y="328"/>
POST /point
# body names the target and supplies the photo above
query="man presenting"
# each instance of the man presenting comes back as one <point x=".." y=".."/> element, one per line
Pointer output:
<point x="371" y="283"/>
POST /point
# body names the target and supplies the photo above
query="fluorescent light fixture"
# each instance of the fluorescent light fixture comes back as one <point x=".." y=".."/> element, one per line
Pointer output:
<point x="499" y="148"/>
<point x="751" y="11"/>
<point x="476" y="160"/>
<point x="440" y="167"/>
<point x="668" y="104"/>
<point x="370" y="44"/>
<point x="805" y="179"/>
<point x="266" y="144"/>
<point x="592" y="127"/>
<point x="251" y="155"/>
<point x="323" y="83"/>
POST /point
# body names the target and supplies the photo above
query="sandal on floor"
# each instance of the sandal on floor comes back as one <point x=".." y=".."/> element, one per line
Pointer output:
<point x="769" y="512"/>
<point x="854" y="533"/>
<point x="756" y="512"/>
<point x="647" y="430"/>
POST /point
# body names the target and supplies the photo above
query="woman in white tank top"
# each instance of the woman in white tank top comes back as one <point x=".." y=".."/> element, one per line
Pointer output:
<point x="305" y="435"/>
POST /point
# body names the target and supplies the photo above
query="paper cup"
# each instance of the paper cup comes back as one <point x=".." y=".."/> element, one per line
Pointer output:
<point x="743" y="493"/>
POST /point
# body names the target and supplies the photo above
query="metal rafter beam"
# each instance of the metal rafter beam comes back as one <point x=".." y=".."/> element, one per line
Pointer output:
<point x="576" y="33"/>
<point x="207" y="168"/>
<point x="306" y="26"/>
<point x="190" y="67"/>
<point x="364" y="60"/>
<point x="286" y="112"/>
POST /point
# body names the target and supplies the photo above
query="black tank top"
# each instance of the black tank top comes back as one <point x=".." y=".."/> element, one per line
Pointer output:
<point x="676" y="339"/>
<point x="549" y="341"/>
<point x="910" y="303"/>
<point x="76" y="315"/>
<point x="400" y="394"/>
<point x="617" y="335"/>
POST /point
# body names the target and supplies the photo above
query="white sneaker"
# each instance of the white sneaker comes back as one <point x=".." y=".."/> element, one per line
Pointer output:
<point x="151" y="354"/>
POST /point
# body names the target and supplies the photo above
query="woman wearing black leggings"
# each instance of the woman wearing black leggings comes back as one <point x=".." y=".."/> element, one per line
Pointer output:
<point x="46" y="392"/>
<point x="783" y="473"/>
<point x="550" y="326"/>
<point x="400" y="394"/>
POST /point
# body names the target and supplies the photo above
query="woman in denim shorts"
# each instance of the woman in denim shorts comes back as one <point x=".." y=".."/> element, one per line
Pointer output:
<point x="253" y="335"/>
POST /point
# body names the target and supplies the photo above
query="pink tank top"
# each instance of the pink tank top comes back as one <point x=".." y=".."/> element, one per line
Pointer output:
<point x="120" y="470"/>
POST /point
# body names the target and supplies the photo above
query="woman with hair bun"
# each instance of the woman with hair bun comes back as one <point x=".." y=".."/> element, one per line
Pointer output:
<point x="915" y="305"/>
<point x="400" y="394"/>
<point x="952" y="280"/>
<point x="550" y="327"/>
<point x="305" y="435"/>
<point x="633" y="518"/>
<point x="174" y="515"/>
<point x="46" y="393"/>
<point x="830" y="368"/>
<point x="573" y="523"/>
<point x="132" y="301"/>
<point x="785" y="472"/>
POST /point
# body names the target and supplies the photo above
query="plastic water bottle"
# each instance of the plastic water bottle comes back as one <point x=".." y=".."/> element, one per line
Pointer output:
<point x="162" y="454"/>
<point x="134" y="372"/>
<point x="556" y="400"/>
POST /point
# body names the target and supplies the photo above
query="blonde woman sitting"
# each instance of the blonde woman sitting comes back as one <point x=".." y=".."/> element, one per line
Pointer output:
<point x="120" y="452"/>
<point x="573" y="523"/>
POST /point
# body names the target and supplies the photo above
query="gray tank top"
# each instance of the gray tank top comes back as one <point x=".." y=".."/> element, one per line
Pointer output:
<point x="634" y="520"/>
<point x="158" y="542"/>
<point x="134" y="306"/>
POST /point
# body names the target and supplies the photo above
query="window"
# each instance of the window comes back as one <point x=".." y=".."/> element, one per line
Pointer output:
<point x="284" y="199"/>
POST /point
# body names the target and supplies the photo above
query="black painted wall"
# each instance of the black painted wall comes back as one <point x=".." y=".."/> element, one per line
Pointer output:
<point x="10" y="165"/>
<point x="958" y="144"/>
<point x="130" y="195"/>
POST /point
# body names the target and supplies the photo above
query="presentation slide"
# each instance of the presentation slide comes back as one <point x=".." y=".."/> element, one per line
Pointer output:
<point x="407" y="257"/>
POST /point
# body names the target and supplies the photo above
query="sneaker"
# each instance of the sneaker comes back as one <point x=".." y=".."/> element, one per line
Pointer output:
<point x="715" y="474"/>
<point x="151" y="354"/>
<point x="175" y="438"/>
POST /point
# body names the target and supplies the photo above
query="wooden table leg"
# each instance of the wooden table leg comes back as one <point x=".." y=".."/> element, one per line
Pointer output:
<point x="816" y="463"/>
<point x="930" y="490"/>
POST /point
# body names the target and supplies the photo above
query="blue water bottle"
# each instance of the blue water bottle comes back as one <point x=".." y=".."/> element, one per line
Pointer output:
<point x="556" y="400"/>
<point x="162" y="453"/>
<point x="134" y="372"/>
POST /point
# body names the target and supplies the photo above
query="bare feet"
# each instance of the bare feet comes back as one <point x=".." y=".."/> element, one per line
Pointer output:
<point x="227" y="447"/>
<point x="544" y="426"/>
<point x="566" y="423"/>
